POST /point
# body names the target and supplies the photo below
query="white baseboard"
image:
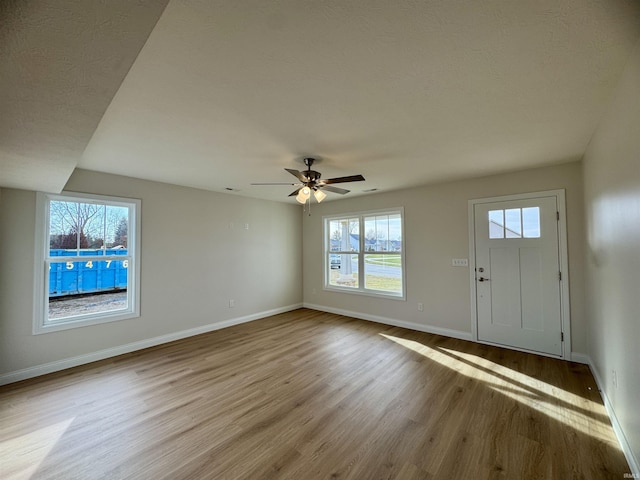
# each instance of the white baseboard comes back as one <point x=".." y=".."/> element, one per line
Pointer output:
<point x="634" y="465"/>
<point x="58" y="365"/>
<point x="392" y="321"/>
<point x="580" y="358"/>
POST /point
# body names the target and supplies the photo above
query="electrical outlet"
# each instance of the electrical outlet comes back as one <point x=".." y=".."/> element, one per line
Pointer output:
<point x="246" y="226"/>
<point x="420" y="307"/>
<point x="232" y="303"/>
<point x="615" y="378"/>
<point x="460" y="262"/>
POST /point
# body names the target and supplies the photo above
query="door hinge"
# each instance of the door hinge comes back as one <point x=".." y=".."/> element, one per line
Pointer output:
<point x="558" y="216"/>
<point x="560" y="276"/>
<point x="562" y="336"/>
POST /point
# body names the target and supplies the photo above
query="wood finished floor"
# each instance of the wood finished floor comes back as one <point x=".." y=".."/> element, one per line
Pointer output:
<point x="307" y="395"/>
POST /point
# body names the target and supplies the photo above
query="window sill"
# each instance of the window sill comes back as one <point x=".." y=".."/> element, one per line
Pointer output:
<point x="83" y="321"/>
<point x="366" y="293"/>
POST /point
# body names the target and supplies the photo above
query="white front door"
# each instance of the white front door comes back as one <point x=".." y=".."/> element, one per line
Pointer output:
<point x="517" y="280"/>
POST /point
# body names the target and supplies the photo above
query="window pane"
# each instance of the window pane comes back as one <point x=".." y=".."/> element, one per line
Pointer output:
<point x="344" y="235"/>
<point x="383" y="233"/>
<point x="335" y="235"/>
<point x="343" y="270"/>
<point x="63" y="225"/>
<point x="376" y="233"/>
<point x="513" y="224"/>
<point x="116" y="227"/>
<point x="496" y="224"/>
<point x="369" y="234"/>
<point x="383" y="272"/>
<point x="72" y="277"/>
<point x="92" y="226"/>
<point x="80" y="226"/>
<point x="395" y="233"/>
<point x="531" y="222"/>
<point x="354" y="236"/>
<point x="79" y="287"/>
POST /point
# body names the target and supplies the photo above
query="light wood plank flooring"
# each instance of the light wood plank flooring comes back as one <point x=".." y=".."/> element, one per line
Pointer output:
<point x="307" y="395"/>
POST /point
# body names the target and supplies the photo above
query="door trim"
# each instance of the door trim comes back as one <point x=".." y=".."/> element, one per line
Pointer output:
<point x="565" y="310"/>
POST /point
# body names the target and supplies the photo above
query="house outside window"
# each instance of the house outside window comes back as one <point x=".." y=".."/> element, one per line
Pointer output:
<point x="87" y="260"/>
<point x="364" y="253"/>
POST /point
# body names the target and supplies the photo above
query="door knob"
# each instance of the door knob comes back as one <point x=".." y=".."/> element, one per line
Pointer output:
<point x="482" y="279"/>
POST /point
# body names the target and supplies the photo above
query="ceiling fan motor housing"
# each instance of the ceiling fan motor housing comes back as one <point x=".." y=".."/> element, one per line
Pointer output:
<point x="312" y="176"/>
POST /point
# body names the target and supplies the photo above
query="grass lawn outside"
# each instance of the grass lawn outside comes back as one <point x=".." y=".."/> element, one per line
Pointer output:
<point x="383" y="283"/>
<point x="392" y="260"/>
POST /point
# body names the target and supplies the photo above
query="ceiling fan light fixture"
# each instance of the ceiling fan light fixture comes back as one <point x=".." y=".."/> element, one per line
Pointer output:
<point x="320" y="195"/>
<point x="303" y="195"/>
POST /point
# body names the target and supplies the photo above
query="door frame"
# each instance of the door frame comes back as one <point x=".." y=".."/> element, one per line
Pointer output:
<point x="565" y="310"/>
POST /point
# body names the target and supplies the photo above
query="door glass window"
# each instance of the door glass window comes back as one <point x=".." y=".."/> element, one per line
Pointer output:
<point x="496" y="224"/>
<point x="515" y="223"/>
<point x="531" y="222"/>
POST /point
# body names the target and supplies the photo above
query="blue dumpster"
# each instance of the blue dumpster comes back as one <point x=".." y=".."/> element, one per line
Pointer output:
<point x="73" y="278"/>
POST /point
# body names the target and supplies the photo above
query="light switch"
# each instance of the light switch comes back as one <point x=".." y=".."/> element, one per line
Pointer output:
<point x="460" y="262"/>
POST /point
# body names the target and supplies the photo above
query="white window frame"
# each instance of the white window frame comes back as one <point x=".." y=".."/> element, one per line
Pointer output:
<point x="361" y="290"/>
<point x="41" y="322"/>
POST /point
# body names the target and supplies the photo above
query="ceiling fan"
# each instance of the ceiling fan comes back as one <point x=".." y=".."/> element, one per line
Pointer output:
<point x="309" y="181"/>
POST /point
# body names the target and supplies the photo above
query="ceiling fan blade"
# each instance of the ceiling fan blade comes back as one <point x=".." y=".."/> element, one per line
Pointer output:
<point x="296" y="174"/>
<point x="293" y="194"/>
<point x="275" y="183"/>
<point x="352" y="178"/>
<point x="328" y="188"/>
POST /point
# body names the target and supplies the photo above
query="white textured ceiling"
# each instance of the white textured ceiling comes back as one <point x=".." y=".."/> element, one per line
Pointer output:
<point x="405" y="92"/>
<point x="61" y="63"/>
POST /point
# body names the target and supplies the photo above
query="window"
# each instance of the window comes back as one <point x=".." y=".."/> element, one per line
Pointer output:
<point x="87" y="260"/>
<point x="515" y="223"/>
<point x="364" y="253"/>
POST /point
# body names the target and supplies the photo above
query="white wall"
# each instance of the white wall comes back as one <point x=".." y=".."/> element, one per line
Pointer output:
<point x="192" y="264"/>
<point x="612" y="207"/>
<point x="436" y="230"/>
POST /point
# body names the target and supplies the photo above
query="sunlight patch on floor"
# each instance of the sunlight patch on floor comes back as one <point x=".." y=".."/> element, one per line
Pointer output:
<point x="527" y="390"/>
<point x="26" y="452"/>
<point x="544" y="398"/>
